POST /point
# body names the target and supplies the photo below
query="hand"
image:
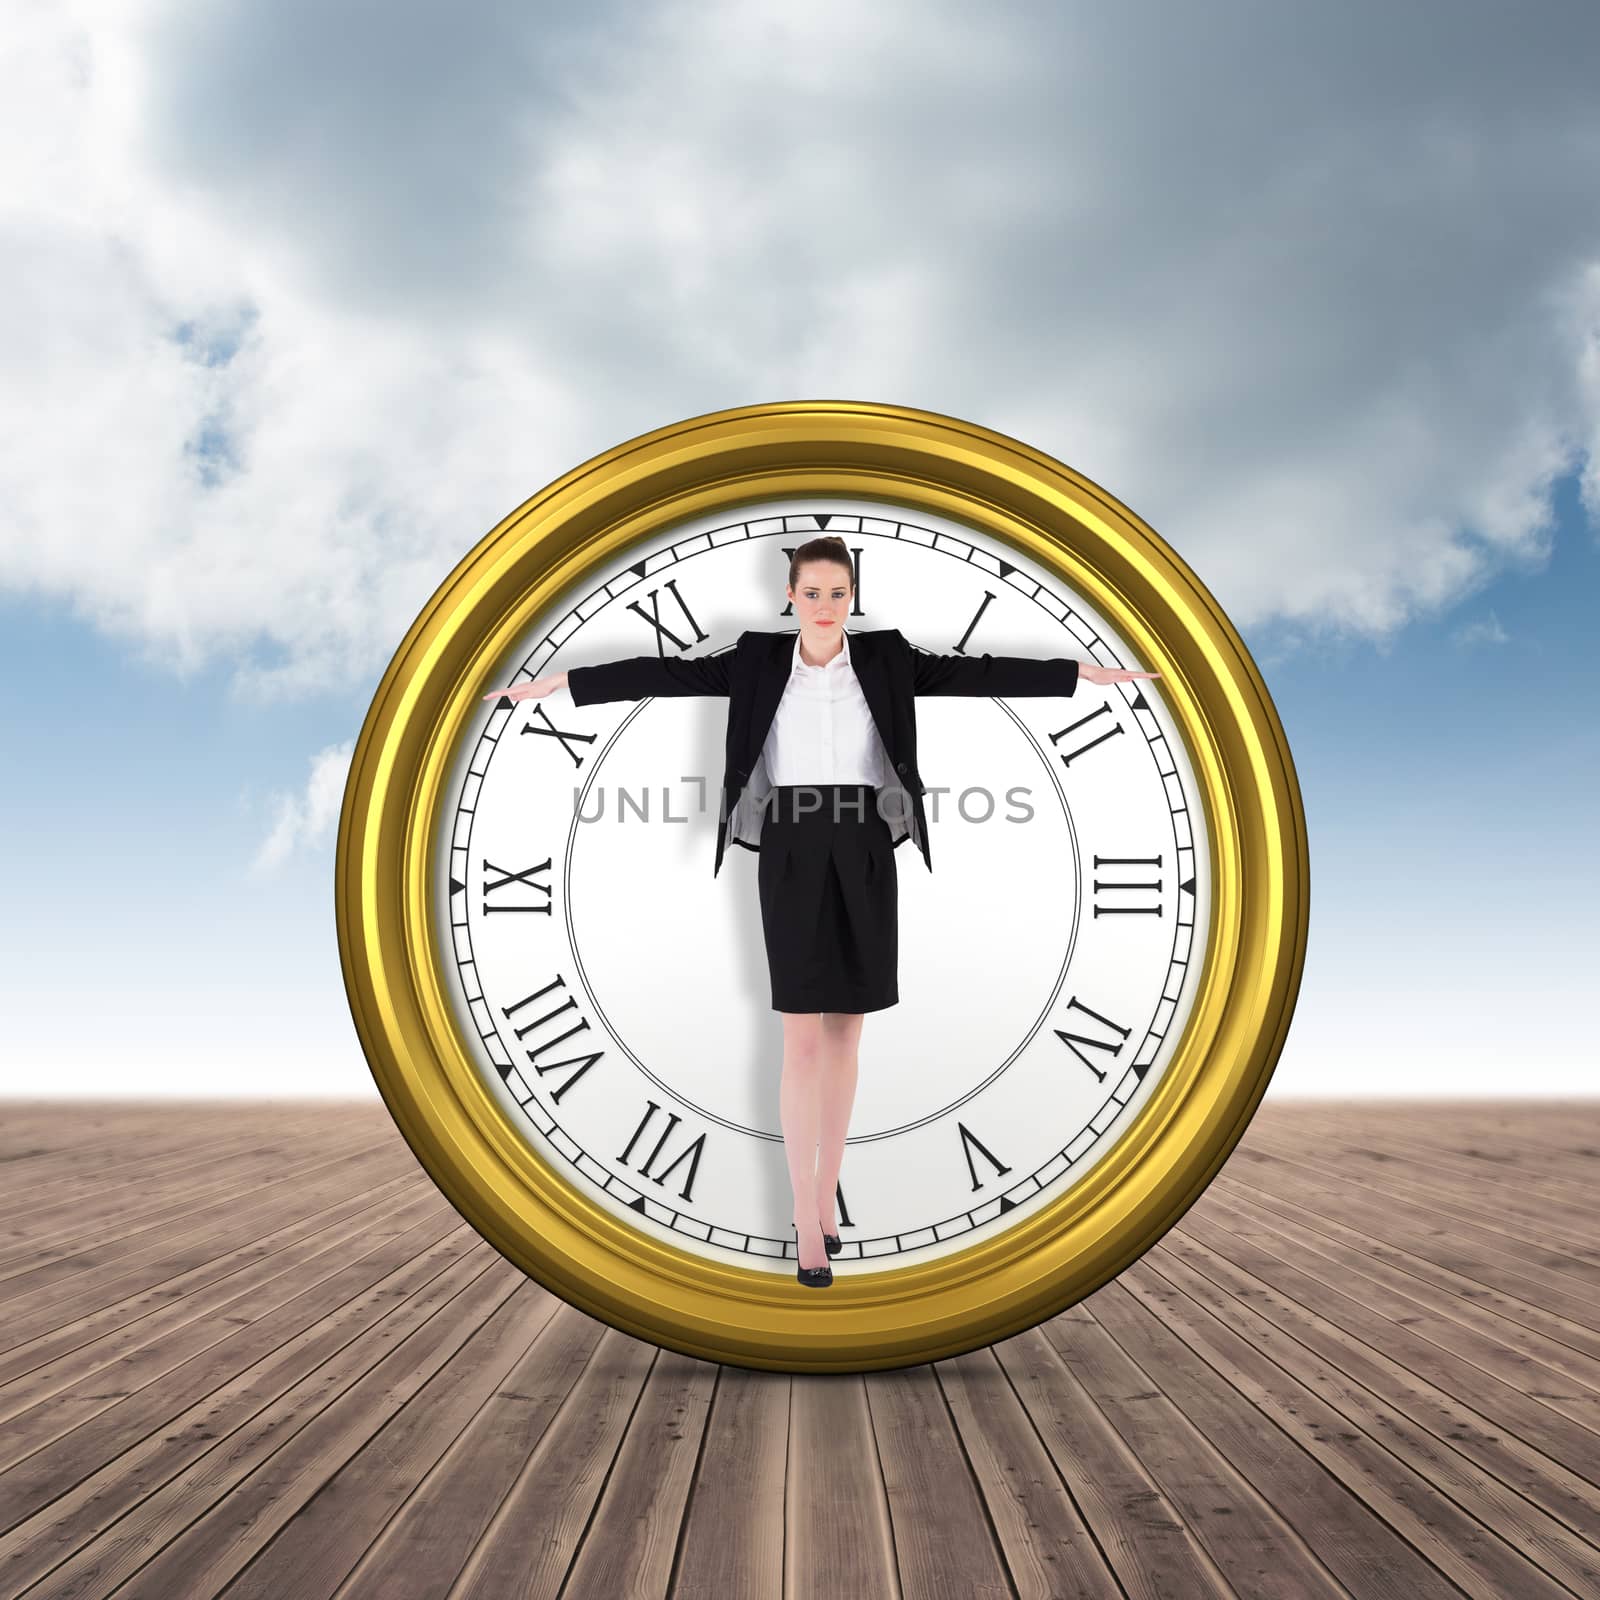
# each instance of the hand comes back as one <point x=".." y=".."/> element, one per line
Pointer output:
<point x="1090" y="673"/>
<point x="536" y="690"/>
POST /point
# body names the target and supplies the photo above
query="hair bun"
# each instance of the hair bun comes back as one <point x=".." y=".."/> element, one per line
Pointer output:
<point x="824" y="547"/>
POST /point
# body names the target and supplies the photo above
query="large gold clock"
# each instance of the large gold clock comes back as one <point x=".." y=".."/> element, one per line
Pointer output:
<point x="568" y="1014"/>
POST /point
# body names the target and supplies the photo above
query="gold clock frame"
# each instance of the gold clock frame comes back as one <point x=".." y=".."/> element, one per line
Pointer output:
<point x="1254" y="950"/>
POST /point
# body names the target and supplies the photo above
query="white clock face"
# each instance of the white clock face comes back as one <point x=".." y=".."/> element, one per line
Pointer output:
<point x="616" y="994"/>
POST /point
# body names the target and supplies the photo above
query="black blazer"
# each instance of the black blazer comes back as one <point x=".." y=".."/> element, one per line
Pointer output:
<point x="753" y="673"/>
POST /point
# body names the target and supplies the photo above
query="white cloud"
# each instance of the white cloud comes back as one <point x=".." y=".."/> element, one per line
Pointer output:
<point x="308" y="819"/>
<point x="292" y="312"/>
<point x="1485" y="630"/>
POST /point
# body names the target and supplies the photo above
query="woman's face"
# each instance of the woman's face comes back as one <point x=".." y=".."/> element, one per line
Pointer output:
<point x="821" y="599"/>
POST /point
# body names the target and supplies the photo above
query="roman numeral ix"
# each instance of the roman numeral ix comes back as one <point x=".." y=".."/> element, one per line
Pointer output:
<point x="514" y="901"/>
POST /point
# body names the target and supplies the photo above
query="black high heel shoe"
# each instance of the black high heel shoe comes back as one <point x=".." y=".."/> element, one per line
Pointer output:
<point x="832" y="1243"/>
<point x="811" y="1277"/>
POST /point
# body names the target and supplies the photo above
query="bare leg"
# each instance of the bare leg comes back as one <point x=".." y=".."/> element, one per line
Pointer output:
<point x="798" y="1112"/>
<point x="841" y="1037"/>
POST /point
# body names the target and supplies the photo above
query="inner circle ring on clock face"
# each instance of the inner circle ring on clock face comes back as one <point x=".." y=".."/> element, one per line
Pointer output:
<point x="1026" y="1034"/>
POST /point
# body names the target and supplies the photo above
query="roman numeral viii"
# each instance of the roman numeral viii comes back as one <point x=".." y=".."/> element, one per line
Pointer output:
<point x="561" y="1014"/>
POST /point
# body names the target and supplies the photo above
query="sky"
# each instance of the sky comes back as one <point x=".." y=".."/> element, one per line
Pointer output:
<point x="297" y="302"/>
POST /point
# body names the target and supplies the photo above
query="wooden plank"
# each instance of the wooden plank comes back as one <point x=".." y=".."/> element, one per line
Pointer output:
<point x="1545" y="1245"/>
<point x="1254" y="1549"/>
<point x="53" y="1415"/>
<point x="66" y="1353"/>
<point x="100" y="1274"/>
<point x="732" y="1538"/>
<point x="943" y="1541"/>
<point x="1044" y="1536"/>
<point x="251" y="1485"/>
<point x="1349" y="1318"/>
<point x="253" y="1350"/>
<point x="836" y="1512"/>
<point x="1512" y="1323"/>
<point x="1475" y="1194"/>
<point x="1490" y="1154"/>
<point x="630" y="1546"/>
<point x="1146" y="1542"/>
<point x="94" y="1202"/>
<point x="529" y="1547"/>
<point x="148" y="1153"/>
<point x="58" y="1496"/>
<point x="429" y="1540"/>
<point x="1375" y="1450"/>
<point x="1398" y="1237"/>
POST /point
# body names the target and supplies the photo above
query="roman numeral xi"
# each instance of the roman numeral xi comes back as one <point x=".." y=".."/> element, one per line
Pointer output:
<point x="653" y="617"/>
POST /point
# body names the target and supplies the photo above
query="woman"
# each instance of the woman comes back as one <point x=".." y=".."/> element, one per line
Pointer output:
<point x="826" y="875"/>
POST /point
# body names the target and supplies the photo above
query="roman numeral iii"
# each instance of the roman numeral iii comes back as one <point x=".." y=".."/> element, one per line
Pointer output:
<point x="1131" y="886"/>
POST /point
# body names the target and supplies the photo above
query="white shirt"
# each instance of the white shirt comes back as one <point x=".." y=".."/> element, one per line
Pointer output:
<point x="822" y="731"/>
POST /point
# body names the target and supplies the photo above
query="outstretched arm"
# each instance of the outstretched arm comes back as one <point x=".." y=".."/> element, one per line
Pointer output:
<point x="636" y="677"/>
<point x="631" y="678"/>
<point x="987" y="674"/>
<point x="1009" y="675"/>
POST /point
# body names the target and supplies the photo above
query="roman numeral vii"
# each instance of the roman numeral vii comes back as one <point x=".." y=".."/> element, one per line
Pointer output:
<point x="690" y="1152"/>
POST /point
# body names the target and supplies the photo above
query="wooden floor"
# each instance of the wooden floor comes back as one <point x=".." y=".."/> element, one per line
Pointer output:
<point x="251" y="1351"/>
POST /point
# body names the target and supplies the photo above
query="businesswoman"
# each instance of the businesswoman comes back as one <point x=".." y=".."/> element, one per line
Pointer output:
<point x="826" y="872"/>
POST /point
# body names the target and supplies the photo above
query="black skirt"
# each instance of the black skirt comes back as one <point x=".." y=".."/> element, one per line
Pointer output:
<point x="830" y="899"/>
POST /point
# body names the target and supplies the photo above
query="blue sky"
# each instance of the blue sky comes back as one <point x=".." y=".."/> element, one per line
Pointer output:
<point x="1321" y="303"/>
